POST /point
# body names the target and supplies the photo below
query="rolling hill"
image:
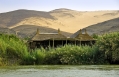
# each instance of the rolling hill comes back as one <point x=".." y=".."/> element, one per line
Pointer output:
<point x="69" y="21"/>
<point x="103" y="27"/>
<point x="30" y="30"/>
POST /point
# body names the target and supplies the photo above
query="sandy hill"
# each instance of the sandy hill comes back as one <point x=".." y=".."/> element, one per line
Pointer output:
<point x="7" y="31"/>
<point x="65" y="19"/>
<point x="30" y="30"/>
<point x="103" y="27"/>
<point x="14" y="17"/>
<point x="74" y="20"/>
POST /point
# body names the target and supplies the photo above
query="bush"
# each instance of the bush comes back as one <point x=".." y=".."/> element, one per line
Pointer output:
<point x="71" y="54"/>
<point x="12" y="46"/>
<point x="1" y="63"/>
<point x="109" y="46"/>
<point x="34" y="57"/>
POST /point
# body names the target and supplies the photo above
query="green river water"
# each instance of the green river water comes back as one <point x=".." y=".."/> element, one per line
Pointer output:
<point x="60" y="71"/>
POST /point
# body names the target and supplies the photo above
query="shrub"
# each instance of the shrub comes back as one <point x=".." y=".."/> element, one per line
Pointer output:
<point x="12" y="46"/>
<point x="71" y="54"/>
<point x="1" y="64"/>
<point x="109" y="46"/>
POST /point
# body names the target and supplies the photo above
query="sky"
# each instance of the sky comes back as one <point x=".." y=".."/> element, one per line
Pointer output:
<point x="48" y="5"/>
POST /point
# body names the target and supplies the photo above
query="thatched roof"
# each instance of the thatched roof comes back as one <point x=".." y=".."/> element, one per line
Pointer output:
<point x="58" y="36"/>
<point x="47" y="36"/>
<point x="82" y="37"/>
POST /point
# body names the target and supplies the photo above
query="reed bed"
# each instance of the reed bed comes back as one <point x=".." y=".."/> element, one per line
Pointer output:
<point x="104" y="51"/>
<point x="108" y="44"/>
<point x="11" y="47"/>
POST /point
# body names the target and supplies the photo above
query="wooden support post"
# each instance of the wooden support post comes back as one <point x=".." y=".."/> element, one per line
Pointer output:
<point x="80" y="42"/>
<point x="75" y="41"/>
<point x="62" y="42"/>
<point x="49" y="43"/>
<point x="91" y="43"/>
<point x="66" y="41"/>
<point x="53" y="42"/>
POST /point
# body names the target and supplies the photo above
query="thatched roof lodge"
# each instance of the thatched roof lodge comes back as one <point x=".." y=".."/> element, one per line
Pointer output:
<point x="47" y="39"/>
<point x="47" y="36"/>
<point x="82" y="37"/>
<point x="58" y="39"/>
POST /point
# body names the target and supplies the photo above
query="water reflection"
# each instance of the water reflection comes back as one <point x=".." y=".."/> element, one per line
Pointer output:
<point x="60" y="71"/>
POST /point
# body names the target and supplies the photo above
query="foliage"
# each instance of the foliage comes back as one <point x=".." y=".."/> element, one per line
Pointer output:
<point x="12" y="47"/>
<point x="1" y="63"/>
<point x="106" y="49"/>
<point x="109" y="46"/>
<point x="68" y="54"/>
<point x="35" y="57"/>
<point x="95" y="36"/>
<point x="71" y="54"/>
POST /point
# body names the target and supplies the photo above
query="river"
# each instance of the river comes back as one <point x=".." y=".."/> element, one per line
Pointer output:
<point x="60" y="71"/>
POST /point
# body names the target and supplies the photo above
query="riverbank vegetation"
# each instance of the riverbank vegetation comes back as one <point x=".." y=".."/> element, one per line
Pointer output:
<point x="15" y="51"/>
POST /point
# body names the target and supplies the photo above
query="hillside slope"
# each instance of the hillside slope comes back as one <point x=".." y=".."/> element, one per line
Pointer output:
<point x="103" y="27"/>
<point x="7" y="31"/>
<point x="30" y="30"/>
<point x="14" y="17"/>
<point x="65" y="19"/>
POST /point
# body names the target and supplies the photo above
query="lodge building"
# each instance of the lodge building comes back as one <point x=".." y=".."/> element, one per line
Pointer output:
<point x="58" y="39"/>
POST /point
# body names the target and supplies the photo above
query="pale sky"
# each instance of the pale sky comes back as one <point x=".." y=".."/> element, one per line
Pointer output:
<point x="48" y="5"/>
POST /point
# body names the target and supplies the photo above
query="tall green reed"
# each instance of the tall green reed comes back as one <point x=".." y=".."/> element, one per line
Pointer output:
<point x="109" y="46"/>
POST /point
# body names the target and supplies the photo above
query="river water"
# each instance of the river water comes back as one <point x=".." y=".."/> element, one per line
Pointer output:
<point x="60" y="71"/>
